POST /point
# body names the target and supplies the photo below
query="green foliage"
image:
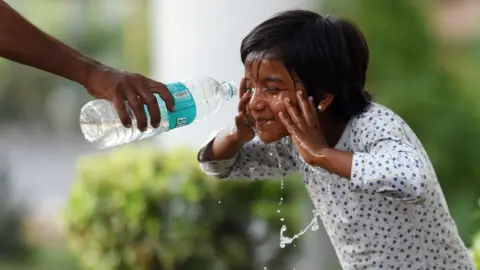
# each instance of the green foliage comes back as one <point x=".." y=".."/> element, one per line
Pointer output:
<point x="475" y="247"/>
<point x="137" y="209"/>
<point x="12" y="244"/>
<point x="411" y="73"/>
<point x="45" y="258"/>
<point x="475" y="250"/>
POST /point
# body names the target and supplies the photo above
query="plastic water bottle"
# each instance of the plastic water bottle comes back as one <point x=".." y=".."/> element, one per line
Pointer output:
<point x="195" y="99"/>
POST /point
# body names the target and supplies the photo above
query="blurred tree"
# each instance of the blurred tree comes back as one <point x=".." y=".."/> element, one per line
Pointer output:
<point x="12" y="244"/>
<point x="159" y="211"/>
<point x="136" y="45"/>
<point x="409" y="73"/>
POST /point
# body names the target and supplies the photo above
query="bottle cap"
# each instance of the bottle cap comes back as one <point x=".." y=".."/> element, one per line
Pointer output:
<point x="233" y="88"/>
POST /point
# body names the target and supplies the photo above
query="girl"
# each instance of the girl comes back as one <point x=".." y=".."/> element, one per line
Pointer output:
<point x="364" y="168"/>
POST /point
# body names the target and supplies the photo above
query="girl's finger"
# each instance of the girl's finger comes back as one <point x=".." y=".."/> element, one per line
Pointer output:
<point x="241" y="121"/>
<point x="295" y="115"/>
<point x="287" y="122"/>
<point x="313" y="108"/>
<point x="242" y="104"/>
<point x="306" y="110"/>
<point x="243" y="85"/>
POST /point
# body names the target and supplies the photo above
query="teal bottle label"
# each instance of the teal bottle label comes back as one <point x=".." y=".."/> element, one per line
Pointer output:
<point x="185" y="108"/>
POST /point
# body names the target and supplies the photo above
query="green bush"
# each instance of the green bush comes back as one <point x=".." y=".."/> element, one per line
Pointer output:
<point x="138" y="209"/>
<point x="12" y="245"/>
<point x="475" y="250"/>
<point x="475" y="246"/>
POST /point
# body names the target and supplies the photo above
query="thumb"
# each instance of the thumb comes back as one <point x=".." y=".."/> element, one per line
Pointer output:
<point x="244" y="128"/>
<point x="241" y="120"/>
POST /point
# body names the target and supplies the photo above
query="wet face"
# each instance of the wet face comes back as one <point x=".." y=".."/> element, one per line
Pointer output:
<point x="271" y="84"/>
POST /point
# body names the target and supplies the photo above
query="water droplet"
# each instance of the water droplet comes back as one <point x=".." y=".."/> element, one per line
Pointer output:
<point x="219" y="201"/>
<point x="282" y="219"/>
<point x="278" y="211"/>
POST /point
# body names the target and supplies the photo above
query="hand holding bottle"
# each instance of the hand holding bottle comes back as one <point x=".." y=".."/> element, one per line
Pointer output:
<point x="119" y="86"/>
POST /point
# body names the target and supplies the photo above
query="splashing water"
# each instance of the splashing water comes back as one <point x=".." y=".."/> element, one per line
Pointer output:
<point x="274" y="150"/>
<point x="284" y="240"/>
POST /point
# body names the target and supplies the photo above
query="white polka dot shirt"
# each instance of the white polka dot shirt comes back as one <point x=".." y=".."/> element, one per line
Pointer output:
<point x="392" y="214"/>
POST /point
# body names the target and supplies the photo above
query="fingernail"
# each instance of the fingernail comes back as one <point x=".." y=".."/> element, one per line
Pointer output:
<point x="299" y="93"/>
<point x="287" y="100"/>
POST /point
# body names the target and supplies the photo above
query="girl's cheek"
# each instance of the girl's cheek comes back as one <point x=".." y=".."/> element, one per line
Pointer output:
<point x="278" y="105"/>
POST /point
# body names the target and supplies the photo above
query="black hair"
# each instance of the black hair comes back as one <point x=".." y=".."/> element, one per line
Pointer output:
<point x="327" y="54"/>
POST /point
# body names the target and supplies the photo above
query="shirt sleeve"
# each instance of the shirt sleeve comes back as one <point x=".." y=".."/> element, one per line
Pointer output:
<point x="391" y="163"/>
<point x="255" y="161"/>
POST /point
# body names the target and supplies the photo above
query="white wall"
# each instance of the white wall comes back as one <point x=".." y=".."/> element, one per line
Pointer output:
<point x="202" y="38"/>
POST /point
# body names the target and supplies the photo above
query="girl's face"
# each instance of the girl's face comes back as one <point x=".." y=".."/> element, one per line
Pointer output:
<point x="271" y="84"/>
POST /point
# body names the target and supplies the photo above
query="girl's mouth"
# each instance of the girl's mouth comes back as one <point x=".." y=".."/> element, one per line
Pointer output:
<point x="262" y="124"/>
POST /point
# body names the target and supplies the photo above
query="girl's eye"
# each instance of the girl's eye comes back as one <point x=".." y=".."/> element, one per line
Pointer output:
<point x="272" y="89"/>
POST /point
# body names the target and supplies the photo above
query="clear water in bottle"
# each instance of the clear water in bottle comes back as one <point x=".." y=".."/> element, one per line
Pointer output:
<point x="195" y="100"/>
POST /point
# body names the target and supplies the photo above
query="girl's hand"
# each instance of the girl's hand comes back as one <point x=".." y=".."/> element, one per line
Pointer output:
<point x="304" y="128"/>
<point x="243" y="132"/>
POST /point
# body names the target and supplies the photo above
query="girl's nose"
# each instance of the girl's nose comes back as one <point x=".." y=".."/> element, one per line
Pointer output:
<point x="257" y="101"/>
